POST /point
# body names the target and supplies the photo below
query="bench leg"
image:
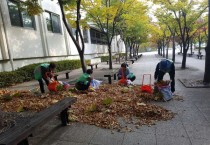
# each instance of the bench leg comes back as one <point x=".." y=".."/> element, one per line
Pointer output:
<point x="67" y="75"/>
<point x="110" y="79"/>
<point x="56" y="78"/>
<point x="91" y="67"/>
<point x="96" y="66"/>
<point x="115" y="76"/>
<point x="23" y="142"/>
<point x="132" y="61"/>
<point x="64" y="117"/>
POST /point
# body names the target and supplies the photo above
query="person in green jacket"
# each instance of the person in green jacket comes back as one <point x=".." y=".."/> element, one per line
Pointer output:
<point x="84" y="80"/>
<point x="44" y="72"/>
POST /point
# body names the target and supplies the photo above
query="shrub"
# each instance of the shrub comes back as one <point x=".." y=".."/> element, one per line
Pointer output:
<point x="26" y="73"/>
<point x="106" y="58"/>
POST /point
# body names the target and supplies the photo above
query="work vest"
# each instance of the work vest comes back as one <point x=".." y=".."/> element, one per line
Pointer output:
<point x="38" y="71"/>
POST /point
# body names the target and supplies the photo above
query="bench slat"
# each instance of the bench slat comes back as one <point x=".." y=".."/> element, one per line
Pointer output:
<point x="22" y="131"/>
<point x="62" y="72"/>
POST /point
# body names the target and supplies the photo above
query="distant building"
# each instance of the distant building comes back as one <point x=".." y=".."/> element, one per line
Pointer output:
<point x="25" y="40"/>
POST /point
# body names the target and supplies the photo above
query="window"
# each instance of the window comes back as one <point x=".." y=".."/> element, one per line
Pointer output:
<point x="18" y="17"/>
<point x="85" y="36"/>
<point x="97" y="37"/>
<point x="53" y="22"/>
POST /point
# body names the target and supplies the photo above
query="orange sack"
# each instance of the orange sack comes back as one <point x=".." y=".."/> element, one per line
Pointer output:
<point x="53" y="86"/>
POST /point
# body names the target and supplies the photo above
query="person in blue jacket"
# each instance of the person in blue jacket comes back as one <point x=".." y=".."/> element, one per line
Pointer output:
<point x="125" y="73"/>
<point x="44" y="72"/>
<point x="163" y="67"/>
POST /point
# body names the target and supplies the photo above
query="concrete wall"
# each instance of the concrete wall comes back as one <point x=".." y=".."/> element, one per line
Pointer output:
<point x="29" y="46"/>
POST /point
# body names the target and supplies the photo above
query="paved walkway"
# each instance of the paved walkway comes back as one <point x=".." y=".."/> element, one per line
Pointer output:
<point x="191" y="125"/>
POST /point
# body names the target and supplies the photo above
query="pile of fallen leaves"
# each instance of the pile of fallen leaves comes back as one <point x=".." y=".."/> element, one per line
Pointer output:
<point x="19" y="101"/>
<point x="107" y="104"/>
<point x="102" y="107"/>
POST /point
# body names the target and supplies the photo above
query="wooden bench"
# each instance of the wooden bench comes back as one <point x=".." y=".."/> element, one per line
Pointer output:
<point x="18" y="134"/>
<point x="199" y="56"/>
<point x="94" y="61"/>
<point x="62" y="72"/>
<point x="110" y="75"/>
<point x="190" y="54"/>
<point x="91" y="65"/>
<point x="132" y="60"/>
<point x="139" y="55"/>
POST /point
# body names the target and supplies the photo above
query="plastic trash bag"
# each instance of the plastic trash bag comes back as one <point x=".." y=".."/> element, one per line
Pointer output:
<point x="122" y="81"/>
<point x="95" y="83"/>
<point x="129" y="82"/>
<point x="166" y="91"/>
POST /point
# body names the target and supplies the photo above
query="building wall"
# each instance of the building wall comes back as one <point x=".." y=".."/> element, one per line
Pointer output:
<point x="29" y="46"/>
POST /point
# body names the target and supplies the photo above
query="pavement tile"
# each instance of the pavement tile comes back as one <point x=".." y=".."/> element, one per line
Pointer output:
<point x="107" y="137"/>
<point x="79" y="132"/>
<point x="197" y="131"/>
<point x="206" y="112"/>
<point x="135" y="138"/>
<point x="171" y="140"/>
<point x="184" y="104"/>
<point x="193" y="116"/>
<point x="175" y="129"/>
<point x="146" y="129"/>
<point x="200" y="141"/>
<point x="191" y="123"/>
<point x="59" y="142"/>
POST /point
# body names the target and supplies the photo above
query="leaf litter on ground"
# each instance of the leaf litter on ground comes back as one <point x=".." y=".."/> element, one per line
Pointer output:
<point x="102" y="107"/>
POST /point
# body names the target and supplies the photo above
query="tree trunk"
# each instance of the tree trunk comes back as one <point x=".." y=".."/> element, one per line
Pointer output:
<point x="181" y="48"/>
<point x="79" y="49"/>
<point x="206" y="78"/>
<point x="83" y="63"/>
<point x="185" y="49"/>
<point x="110" y="56"/>
<point x="161" y="52"/>
<point x="167" y="51"/>
<point x="184" y="58"/>
<point x="173" y="53"/>
<point x="130" y="52"/>
<point x="191" y="44"/>
<point x="1" y="119"/>
<point x="199" y="44"/>
<point x="163" y="49"/>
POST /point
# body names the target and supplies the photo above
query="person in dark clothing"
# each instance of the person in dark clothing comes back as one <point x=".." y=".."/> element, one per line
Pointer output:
<point x="125" y="73"/>
<point x="163" y="67"/>
<point x="44" y="72"/>
<point x="84" y="80"/>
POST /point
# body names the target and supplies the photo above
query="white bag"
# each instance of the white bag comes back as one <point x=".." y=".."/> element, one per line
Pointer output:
<point x="129" y="82"/>
<point x="96" y="83"/>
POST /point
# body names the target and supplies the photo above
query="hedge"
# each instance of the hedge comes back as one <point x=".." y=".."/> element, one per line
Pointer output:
<point x="26" y="73"/>
<point x="106" y="58"/>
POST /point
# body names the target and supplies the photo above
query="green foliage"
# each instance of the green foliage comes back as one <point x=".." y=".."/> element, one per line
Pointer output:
<point x="107" y="101"/>
<point x="7" y="97"/>
<point x="122" y="54"/>
<point x="92" y="108"/>
<point x="106" y="58"/>
<point x="26" y="73"/>
<point x="59" y="87"/>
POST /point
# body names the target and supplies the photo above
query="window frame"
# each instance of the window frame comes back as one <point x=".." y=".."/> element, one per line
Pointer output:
<point x="85" y="35"/>
<point x="20" y="16"/>
<point x="52" y="24"/>
<point x="97" y="37"/>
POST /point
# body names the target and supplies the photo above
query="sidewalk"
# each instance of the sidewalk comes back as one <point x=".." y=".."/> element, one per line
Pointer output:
<point x="191" y="125"/>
